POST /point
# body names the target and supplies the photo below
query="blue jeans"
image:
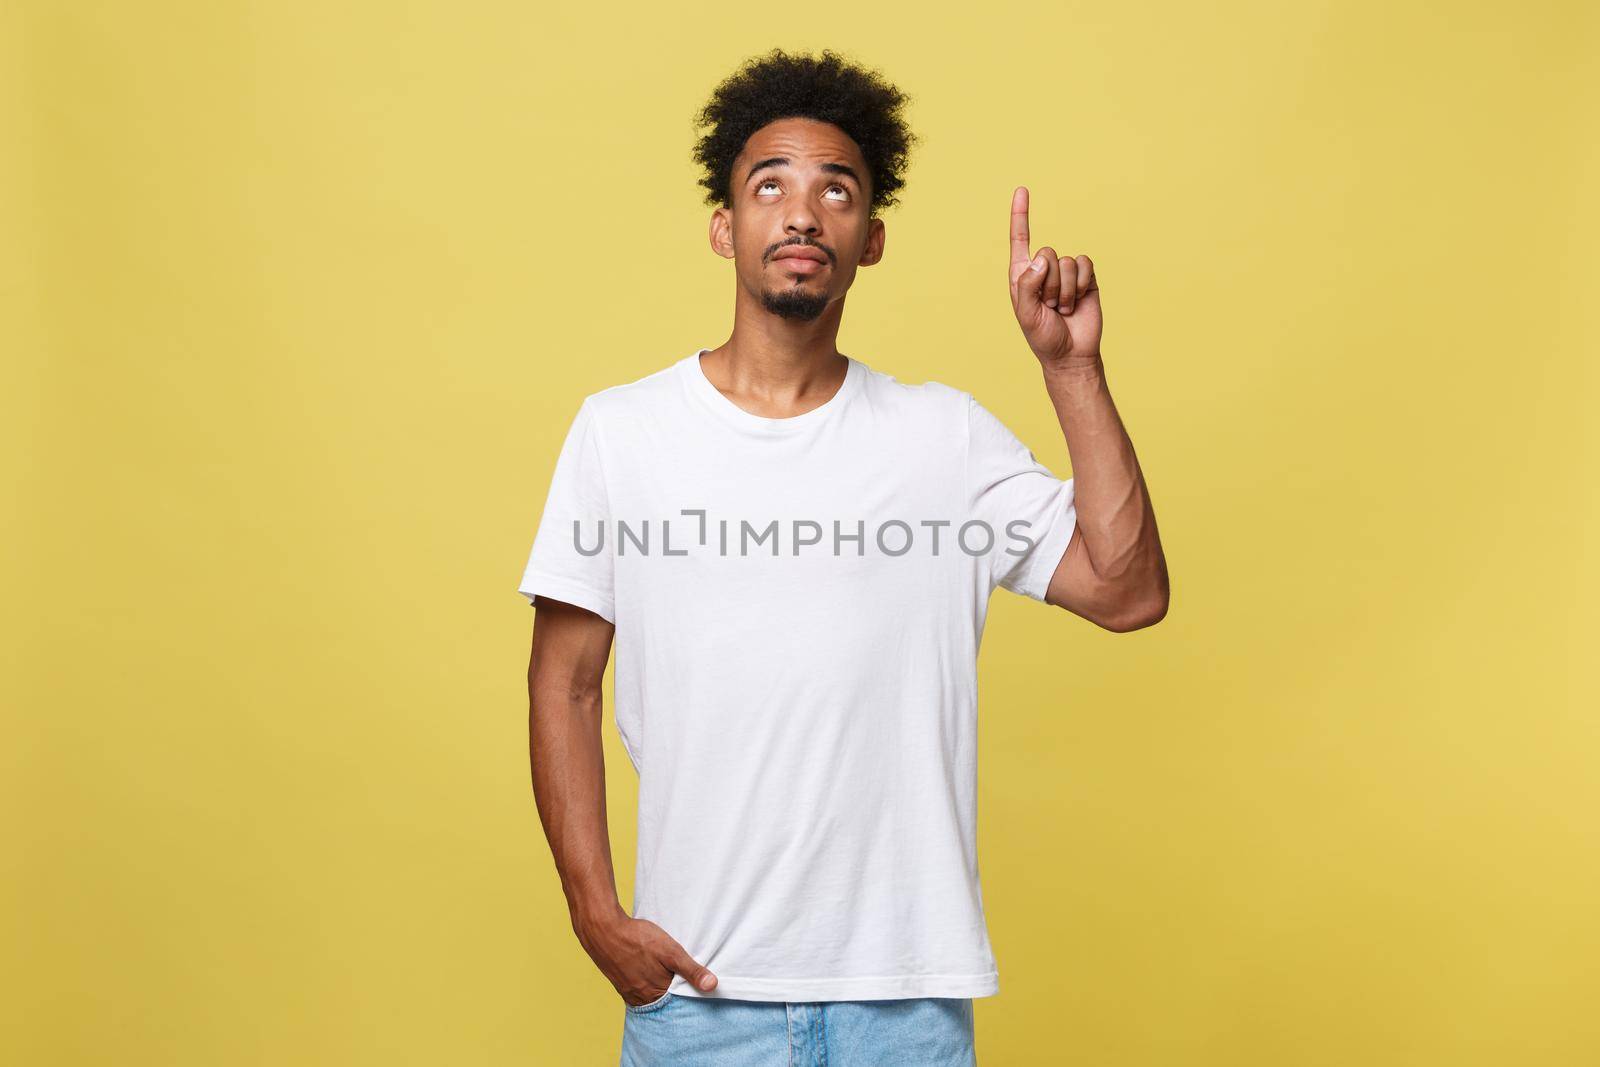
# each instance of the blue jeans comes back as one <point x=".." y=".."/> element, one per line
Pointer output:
<point x="683" y="1031"/>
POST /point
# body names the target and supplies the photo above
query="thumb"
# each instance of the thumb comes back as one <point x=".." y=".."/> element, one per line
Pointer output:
<point x="681" y="962"/>
<point x="1030" y="289"/>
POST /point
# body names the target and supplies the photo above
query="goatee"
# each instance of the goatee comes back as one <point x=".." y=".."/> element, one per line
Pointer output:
<point x="795" y="303"/>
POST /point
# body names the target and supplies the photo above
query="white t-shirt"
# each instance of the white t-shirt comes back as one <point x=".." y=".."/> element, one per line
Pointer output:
<point x="798" y="606"/>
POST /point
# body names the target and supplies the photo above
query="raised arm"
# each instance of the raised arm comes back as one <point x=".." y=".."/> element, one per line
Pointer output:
<point x="1113" y="572"/>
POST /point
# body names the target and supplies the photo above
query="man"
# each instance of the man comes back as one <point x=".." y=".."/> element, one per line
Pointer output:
<point x="794" y="553"/>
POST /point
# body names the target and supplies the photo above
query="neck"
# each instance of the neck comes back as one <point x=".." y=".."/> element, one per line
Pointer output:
<point x="775" y="381"/>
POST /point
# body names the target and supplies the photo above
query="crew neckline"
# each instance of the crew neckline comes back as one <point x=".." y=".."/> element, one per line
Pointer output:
<point x="700" y="385"/>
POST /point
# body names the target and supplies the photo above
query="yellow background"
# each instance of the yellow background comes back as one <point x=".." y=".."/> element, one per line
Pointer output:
<point x="299" y="300"/>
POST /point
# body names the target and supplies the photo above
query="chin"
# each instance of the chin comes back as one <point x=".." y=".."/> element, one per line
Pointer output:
<point x="796" y="304"/>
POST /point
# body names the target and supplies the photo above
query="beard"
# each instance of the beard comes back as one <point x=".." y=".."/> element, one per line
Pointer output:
<point x="795" y="303"/>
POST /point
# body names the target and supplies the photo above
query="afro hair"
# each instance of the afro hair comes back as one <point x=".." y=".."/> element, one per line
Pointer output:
<point x="826" y="88"/>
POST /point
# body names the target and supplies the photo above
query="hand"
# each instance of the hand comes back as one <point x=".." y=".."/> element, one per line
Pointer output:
<point x="1057" y="302"/>
<point x="640" y="958"/>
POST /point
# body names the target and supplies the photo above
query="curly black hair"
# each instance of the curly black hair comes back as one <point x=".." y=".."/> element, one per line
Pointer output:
<point x="827" y="88"/>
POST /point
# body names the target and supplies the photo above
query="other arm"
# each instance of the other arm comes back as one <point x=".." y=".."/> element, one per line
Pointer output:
<point x="565" y="711"/>
<point x="565" y="668"/>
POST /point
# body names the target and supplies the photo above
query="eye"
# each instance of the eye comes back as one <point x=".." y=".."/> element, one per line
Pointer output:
<point x="773" y="181"/>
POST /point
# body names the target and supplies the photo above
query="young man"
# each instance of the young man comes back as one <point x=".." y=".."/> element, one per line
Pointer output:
<point x="794" y="553"/>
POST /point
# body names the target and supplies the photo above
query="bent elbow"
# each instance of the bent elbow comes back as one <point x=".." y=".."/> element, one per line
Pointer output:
<point x="1139" y="617"/>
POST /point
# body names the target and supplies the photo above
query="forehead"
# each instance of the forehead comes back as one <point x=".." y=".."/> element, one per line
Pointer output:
<point x="806" y="141"/>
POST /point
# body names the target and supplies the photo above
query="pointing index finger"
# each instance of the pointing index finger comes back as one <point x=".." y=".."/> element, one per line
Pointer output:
<point x="1019" y="227"/>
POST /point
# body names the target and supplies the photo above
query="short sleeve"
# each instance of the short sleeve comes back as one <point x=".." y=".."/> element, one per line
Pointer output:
<point x="571" y="559"/>
<point x="1030" y="511"/>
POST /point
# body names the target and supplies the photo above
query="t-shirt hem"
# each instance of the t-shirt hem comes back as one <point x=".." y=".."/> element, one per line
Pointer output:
<point x="797" y="990"/>
<point x="1048" y="553"/>
<point x="534" y="584"/>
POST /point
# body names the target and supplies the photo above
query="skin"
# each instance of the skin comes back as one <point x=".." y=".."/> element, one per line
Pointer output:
<point x="570" y="650"/>
<point x="1113" y="572"/>
<point x="782" y="360"/>
<point x="775" y="365"/>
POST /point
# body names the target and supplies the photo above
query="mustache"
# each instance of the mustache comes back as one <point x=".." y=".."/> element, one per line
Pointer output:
<point x="802" y="244"/>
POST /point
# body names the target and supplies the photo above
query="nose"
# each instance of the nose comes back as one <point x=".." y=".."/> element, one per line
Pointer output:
<point x="802" y="219"/>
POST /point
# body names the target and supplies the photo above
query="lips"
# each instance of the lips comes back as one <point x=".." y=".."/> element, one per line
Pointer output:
<point x="801" y="252"/>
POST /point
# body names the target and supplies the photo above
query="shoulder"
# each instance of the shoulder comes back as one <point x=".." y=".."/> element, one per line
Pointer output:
<point x="933" y="399"/>
<point x="628" y="399"/>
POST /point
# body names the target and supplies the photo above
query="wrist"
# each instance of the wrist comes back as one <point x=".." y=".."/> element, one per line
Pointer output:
<point x="1074" y="371"/>
<point x="597" y="914"/>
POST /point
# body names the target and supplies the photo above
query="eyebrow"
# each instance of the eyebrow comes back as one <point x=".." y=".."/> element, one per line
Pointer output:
<point x="784" y="161"/>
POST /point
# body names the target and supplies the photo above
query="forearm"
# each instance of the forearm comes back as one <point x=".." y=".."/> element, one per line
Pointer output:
<point x="1115" y="518"/>
<point x="569" y="787"/>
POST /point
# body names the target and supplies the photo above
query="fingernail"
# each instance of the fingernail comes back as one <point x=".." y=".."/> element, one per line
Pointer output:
<point x="1037" y="264"/>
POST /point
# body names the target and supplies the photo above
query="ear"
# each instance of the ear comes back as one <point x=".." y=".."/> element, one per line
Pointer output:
<point x="874" y="248"/>
<point x="721" y="233"/>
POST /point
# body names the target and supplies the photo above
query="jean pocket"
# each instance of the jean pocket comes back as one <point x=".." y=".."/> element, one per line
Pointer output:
<point x="655" y="1005"/>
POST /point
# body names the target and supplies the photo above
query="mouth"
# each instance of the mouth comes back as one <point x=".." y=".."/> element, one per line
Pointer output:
<point x="800" y="261"/>
<point x="800" y="264"/>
